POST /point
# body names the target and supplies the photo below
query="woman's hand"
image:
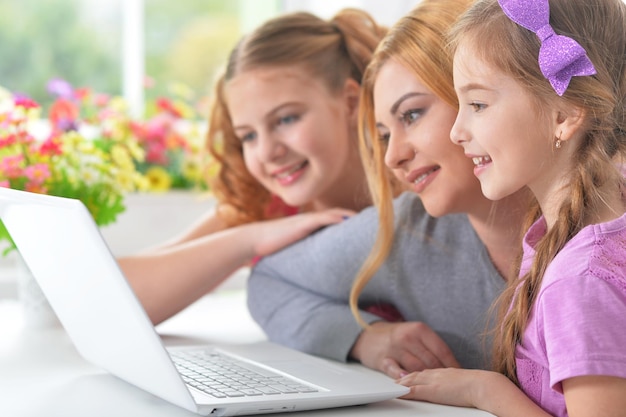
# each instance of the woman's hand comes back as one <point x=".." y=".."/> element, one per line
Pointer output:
<point x="399" y="348"/>
<point x="273" y="235"/>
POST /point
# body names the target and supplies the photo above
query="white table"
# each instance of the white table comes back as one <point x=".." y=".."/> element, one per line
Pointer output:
<point x="42" y="375"/>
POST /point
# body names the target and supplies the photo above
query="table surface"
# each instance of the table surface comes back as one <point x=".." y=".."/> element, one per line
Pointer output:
<point x="41" y="374"/>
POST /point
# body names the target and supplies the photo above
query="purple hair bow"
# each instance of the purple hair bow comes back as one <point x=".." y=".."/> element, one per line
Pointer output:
<point x="560" y="57"/>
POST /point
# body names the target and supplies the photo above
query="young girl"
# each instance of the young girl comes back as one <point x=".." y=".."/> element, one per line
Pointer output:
<point x="542" y="88"/>
<point x="283" y="127"/>
<point x="444" y="262"/>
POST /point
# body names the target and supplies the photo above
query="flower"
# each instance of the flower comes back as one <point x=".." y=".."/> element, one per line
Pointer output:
<point x="96" y="152"/>
<point x="173" y="140"/>
<point x="64" y="163"/>
<point x="168" y="140"/>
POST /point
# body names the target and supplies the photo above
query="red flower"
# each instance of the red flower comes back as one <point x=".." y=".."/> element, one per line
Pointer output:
<point x="82" y="93"/>
<point x="52" y="146"/>
<point x="8" y="141"/>
<point x="168" y="107"/>
<point x="63" y="114"/>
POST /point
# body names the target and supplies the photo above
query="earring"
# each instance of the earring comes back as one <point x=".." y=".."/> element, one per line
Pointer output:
<point x="557" y="144"/>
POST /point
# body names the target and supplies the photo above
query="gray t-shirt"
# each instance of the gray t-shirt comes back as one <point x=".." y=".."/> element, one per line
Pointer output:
<point x="438" y="273"/>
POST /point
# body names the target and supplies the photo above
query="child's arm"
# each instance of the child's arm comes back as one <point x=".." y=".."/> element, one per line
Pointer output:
<point x="595" y="396"/>
<point x="170" y="278"/>
<point x="489" y="391"/>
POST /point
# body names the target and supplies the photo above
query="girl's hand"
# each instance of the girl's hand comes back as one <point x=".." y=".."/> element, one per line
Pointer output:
<point x="489" y="391"/>
<point x="273" y="235"/>
<point x="451" y="386"/>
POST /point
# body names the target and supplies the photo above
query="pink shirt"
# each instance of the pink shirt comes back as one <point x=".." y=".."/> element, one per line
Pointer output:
<point x="577" y="325"/>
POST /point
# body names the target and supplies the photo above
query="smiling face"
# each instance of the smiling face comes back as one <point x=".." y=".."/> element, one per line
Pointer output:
<point x="298" y="139"/>
<point x="500" y="129"/>
<point x="415" y="124"/>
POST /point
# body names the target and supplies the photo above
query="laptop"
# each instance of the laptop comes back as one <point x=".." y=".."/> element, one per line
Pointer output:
<point x="63" y="248"/>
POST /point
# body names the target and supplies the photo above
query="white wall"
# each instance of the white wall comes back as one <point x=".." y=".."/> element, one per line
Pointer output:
<point x="385" y="12"/>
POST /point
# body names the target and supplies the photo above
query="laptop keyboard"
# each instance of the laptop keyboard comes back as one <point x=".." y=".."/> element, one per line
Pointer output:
<point x="223" y="376"/>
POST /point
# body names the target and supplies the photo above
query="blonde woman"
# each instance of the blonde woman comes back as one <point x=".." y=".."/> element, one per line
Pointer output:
<point x="443" y="261"/>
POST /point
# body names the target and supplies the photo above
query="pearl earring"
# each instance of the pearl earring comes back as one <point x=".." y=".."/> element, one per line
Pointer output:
<point x="558" y="142"/>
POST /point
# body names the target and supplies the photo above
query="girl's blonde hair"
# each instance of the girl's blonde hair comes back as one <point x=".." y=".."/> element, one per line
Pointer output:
<point x="418" y="42"/>
<point x="600" y="27"/>
<point x="331" y="51"/>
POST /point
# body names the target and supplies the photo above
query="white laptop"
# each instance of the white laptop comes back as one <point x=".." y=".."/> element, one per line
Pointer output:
<point x="64" y="250"/>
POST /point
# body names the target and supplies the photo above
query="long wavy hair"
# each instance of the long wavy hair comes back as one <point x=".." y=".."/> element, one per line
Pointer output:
<point x="600" y="27"/>
<point x="417" y="41"/>
<point x="331" y="50"/>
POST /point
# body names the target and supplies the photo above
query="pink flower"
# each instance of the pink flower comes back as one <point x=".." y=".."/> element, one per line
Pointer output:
<point x="5" y="184"/>
<point x="148" y="82"/>
<point x="82" y="93"/>
<point x="102" y="100"/>
<point x="11" y="166"/>
<point x="37" y="173"/>
<point x="8" y="141"/>
<point x="25" y="102"/>
<point x="156" y="153"/>
<point x="35" y="188"/>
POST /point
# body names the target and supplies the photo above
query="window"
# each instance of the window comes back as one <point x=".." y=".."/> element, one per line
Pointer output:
<point x="385" y="12"/>
<point x="109" y="45"/>
<point x="138" y="47"/>
<point x="42" y="40"/>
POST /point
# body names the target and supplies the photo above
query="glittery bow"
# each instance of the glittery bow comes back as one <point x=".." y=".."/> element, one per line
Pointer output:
<point x="560" y="57"/>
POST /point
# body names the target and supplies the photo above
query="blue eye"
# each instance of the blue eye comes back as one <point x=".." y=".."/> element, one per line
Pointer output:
<point x="248" y="137"/>
<point x="384" y="137"/>
<point x="288" y="119"/>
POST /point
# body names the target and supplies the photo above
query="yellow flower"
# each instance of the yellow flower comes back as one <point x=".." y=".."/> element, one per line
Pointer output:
<point x="121" y="157"/>
<point x="126" y="180"/>
<point x="192" y="170"/>
<point x="118" y="104"/>
<point x="185" y="109"/>
<point x="142" y="183"/>
<point x="159" y="179"/>
<point x="136" y="151"/>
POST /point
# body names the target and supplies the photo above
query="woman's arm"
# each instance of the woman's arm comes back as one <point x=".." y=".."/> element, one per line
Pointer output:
<point x="169" y="278"/>
<point x="285" y="301"/>
<point x="399" y="348"/>
<point x="299" y="296"/>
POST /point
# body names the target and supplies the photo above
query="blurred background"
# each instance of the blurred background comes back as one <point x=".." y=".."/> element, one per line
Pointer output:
<point x="138" y="48"/>
<point x="141" y="50"/>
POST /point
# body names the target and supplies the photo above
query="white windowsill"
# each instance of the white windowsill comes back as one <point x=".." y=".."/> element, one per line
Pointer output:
<point x="148" y="220"/>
